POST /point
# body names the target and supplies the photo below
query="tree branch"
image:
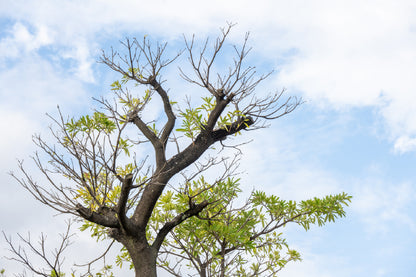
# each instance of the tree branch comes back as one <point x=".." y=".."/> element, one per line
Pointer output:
<point x="176" y="221"/>
<point x="53" y="263"/>
<point x="104" y="216"/>
<point x="241" y="124"/>
<point x="168" y="111"/>
<point x="122" y="201"/>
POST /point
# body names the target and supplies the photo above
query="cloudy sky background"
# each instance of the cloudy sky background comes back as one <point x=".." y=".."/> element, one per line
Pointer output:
<point x="353" y="62"/>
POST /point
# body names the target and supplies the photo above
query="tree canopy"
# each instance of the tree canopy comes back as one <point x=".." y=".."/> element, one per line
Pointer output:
<point x="163" y="208"/>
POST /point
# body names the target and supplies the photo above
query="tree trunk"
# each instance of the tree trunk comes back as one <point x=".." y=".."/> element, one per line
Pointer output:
<point x="142" y="255"/>
<point x="203" y="271"/>
<point x="144" y="262"/>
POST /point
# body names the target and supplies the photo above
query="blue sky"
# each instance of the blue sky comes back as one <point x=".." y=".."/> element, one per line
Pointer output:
<point x="353" y="62"/>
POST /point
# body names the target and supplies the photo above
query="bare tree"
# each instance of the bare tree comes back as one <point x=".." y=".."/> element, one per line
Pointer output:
<point x="52" y="260"/>
<point x="87" y="171"/>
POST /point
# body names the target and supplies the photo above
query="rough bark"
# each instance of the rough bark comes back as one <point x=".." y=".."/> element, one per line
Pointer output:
<point x="142" y="254"/>
<point x="144" y="260"/>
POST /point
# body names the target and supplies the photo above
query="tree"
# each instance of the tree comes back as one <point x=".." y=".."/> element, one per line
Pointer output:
<point x="54" y="263"/>
<point x="127" y="199"/>
<point x="42" y="261"/>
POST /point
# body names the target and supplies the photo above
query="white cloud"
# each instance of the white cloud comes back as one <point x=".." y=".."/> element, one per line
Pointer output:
<point x="281" y="161"/>
<point x="346" y="54"/>
<point x="405" y="144"/>
<point x="383" y="207"/>
<point x="18" y="140"/>
<point x="358" y="55"/>
<point x="314" y="265"/>
<point x="33" y="85"/>
<point x="19" y="41"/>
<point x="81" y="52"/>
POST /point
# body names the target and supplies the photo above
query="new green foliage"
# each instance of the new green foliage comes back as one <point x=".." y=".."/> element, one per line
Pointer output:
<point x="225" y="237"/>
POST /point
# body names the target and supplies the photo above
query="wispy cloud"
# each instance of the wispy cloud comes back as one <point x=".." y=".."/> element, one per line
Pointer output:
<point x="383" y="207"/>
<point x="343" y="54"/>
<point x="18" y="41"/>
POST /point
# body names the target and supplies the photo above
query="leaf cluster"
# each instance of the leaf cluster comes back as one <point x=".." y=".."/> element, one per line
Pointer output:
<point x="223" y="239"/>
<point x="86" y="124"/>
<point x="194" y="120"/>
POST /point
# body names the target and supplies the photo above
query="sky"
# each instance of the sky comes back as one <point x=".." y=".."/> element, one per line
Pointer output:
<point x="352" y="62"/>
